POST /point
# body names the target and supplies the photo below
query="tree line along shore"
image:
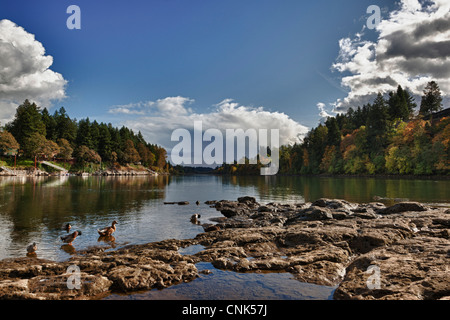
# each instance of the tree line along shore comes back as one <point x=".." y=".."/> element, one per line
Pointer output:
<point x="386" y="137"/>
<point x="83" y="146"/>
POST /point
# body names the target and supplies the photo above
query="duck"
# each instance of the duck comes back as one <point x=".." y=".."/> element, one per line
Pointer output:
<point x="67" y="227"/>
<point x="71" y="237"/>
<point x="32" y="248"/>
<point x="195" y="217"/>
<point x="108" y="230"/>
<point x="197" y="202"/>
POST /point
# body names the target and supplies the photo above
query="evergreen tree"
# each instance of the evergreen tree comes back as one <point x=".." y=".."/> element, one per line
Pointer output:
<point x="84" y="137"/>
<point x="317" y="142"/>
<point x="94" y="131"/>
<point x="334" y="134"/>
<point x="398" y="105"/>
<point x="377" y="126"/>
<point x="50" y="125"/>
<point x="104" y="143"/>
<point x="410" y="102"/>
<point x="431" y="100"/>
<point x="27" y="121"/>
<point x="66" y="128"/>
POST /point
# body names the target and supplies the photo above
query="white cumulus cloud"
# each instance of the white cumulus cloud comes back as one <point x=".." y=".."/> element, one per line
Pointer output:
<point x="163" y="116"/>
<point x="25" y="71"/>
<point x="412" y="48"/>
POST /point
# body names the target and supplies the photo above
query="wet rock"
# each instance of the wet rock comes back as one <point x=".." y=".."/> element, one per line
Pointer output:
<point x="210" y="227"/>
<point x="229" y="212"/>
<point x="332" y="204"/>
<point x="153" y="274"/>
<point x="247" y="200"/>
<point x="13" y="289"/>
<point x="316" y="213"/>
<point x="46" y="281"/>
<point x="57" y="286"/>
<point x="340" y="214"/>
<point x="180" y="203"/>
<point x="364" y="215"/>
<point x="403" y="207"/>
<point x="265" y="209"/>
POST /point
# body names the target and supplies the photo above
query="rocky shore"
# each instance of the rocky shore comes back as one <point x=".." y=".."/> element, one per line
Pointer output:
<point x="368" y="251"/>
<point x="23" y="173"/>
<point x="109" y="172"/>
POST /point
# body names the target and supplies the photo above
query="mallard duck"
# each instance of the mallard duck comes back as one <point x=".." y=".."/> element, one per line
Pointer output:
<point x="32" y="248"/>
<point x="67" y="227"/>
<point x="195" y="217"/>
<point x="108" y="230"/>
<point x="69" y="238"/>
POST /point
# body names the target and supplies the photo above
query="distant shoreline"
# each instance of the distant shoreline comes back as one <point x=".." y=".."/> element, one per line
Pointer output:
<point x="377" y="176"/>
<point x="383" y="176"/>
<point x="41" y="173"/>
<point x="30" y="171"/>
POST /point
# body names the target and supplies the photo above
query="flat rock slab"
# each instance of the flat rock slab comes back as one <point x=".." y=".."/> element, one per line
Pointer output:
<point x="140" y="267"/>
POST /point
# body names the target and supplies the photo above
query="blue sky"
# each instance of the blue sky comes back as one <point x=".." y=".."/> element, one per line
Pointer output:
<point x="271" y="54"/>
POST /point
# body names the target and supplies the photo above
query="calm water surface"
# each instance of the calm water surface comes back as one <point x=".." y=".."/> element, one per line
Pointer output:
<point x="35" y="209"/>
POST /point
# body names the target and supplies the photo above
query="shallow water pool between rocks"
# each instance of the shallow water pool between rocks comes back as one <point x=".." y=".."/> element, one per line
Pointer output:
<point x="230" y="285"/>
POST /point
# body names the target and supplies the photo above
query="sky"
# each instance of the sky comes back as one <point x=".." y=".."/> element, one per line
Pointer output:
<point x="158" y="65"/>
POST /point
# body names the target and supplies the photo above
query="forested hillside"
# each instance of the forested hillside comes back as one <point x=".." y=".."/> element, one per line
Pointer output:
<point x="382" y="137"/>
<point x="37" y="133"/>
<point x="379" y="138"/>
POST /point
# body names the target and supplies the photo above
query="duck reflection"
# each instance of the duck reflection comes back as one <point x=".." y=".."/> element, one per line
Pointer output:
<point x="68" y="248"/>
<point x="111" y="240"/>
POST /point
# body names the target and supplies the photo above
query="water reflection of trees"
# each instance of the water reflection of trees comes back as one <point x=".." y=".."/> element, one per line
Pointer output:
<point x="354" y="189"/>
<point x="27" y="202"/>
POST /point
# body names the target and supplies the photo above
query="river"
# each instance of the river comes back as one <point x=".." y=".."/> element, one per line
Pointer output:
<point x="35" y="209"/>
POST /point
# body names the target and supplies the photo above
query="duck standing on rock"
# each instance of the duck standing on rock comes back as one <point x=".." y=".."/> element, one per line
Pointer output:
<point x="31" y="249"/>
<point x="108" y="230"/>
<point x="71" y="237"/>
